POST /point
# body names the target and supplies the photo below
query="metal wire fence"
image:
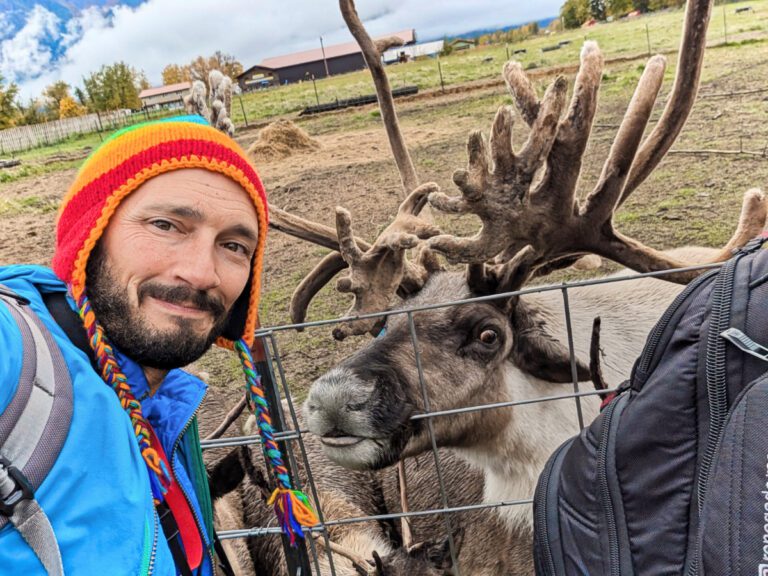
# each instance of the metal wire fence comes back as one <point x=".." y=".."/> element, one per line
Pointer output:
<point x="291" y="434"/>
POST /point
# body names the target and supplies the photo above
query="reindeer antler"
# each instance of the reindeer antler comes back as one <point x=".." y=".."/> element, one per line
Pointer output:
<point x="532" y="221"/>
<point x="539" y="227"/>
<point x="377" y="271"/>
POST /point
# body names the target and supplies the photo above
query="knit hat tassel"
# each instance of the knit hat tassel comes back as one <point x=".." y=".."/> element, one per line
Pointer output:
<point x="292" y="507"/>
<point x="293" y="511"/>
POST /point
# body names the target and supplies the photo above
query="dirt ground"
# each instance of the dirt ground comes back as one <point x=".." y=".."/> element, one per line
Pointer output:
<point x="690" y="199"/>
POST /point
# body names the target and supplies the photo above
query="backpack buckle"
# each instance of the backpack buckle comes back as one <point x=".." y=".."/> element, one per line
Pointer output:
<point x="22" y="490"/>
<point x="11" y="294"/>
<point x="755" y="244"/>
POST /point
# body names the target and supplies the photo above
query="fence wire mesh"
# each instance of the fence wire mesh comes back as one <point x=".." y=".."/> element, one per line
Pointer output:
<point x="292" y="441"/>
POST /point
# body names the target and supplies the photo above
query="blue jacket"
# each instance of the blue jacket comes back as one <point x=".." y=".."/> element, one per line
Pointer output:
<point x="97" y="495"/>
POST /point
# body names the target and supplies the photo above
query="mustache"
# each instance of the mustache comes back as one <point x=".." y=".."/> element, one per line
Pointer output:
<point x="183" y="295"/>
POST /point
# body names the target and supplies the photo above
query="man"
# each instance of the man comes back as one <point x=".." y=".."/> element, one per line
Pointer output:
<point x="159" y="248"/>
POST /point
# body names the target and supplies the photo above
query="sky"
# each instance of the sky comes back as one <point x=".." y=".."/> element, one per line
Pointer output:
<point x="49" y="40"/>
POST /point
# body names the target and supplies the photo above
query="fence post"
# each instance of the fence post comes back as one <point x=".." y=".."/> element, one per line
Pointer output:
<point x="296" y="557"/>
<point x="440" y="71"/>
<point x="314" y="85"/>
<point x="648" y="39"/>
<point x="242" y="108"/>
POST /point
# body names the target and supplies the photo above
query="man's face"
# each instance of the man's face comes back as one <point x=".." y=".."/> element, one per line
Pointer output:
<point x="173" y="260"/>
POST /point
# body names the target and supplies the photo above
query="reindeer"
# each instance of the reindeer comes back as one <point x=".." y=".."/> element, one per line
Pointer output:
<point x="240" y="488"/>
<point x="367" y="411"/>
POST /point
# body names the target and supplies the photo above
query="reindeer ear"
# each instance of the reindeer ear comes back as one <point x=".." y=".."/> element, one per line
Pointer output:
<point x="536" y="351"/>
<point x="439" y="554"/>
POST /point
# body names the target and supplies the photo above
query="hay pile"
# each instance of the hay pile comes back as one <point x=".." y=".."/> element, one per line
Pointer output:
<point x="280" y="140"/>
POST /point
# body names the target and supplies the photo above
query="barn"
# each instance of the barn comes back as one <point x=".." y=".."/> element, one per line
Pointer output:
<point x="320" y="62"/>
<point x="165" y="96"/>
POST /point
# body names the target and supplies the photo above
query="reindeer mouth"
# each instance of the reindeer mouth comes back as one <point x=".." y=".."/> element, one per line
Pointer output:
<point x="341" y="441"/>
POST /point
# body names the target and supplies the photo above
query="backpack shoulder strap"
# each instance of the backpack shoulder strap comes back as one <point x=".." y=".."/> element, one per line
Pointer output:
<point x="33" y="429"/>
<point x="69" y="321"/>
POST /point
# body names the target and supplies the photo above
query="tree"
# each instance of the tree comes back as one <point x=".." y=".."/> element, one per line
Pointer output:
<point x="142" y="81"/>
<point x="82" y="99"/>
<point x="56" y="92"/>
<point x="597" y="9"/>
<point x="618" y="7"/>
<point x="113" y="87"/>
<point x="34" y="112"/>
<point x="575" y="12"/>
<point x="68" y="108"/>
<point x="8" y="109"/>
<point x="226" y="64"/>
<point x="175" y="74"/>
<point x="200" y="67"/>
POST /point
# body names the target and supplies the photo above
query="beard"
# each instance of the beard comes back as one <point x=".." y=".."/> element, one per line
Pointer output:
<point x="131" y="332"/>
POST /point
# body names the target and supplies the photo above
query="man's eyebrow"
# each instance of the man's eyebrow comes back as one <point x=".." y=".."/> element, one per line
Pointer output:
<point x="245" y="232"/>
<point x="180" y="211"/>
<point x="241" y="230"/>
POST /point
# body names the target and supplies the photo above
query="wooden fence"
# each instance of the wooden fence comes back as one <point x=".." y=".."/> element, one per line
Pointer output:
<point x="47" y="133"/>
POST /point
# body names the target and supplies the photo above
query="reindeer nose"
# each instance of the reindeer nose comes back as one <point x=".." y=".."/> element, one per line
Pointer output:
<point x="338" y="401"/>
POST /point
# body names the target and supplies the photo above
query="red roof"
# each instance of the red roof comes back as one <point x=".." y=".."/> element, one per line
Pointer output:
<point x="180" y="87"/>
<point x="276" y="62"/>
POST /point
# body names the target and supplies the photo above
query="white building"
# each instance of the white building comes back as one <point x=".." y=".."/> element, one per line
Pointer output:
<point x="414" y="51"/>
<point x="164" y="95"/>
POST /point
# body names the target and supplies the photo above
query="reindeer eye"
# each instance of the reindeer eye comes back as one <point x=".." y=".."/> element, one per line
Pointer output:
<point x="489" y="336"/>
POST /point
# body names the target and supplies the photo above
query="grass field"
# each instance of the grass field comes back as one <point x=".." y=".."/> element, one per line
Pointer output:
<point x="617" y="40"/>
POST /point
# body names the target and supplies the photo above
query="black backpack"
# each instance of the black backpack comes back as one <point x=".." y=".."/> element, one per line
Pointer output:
<point x="672" y="477"/>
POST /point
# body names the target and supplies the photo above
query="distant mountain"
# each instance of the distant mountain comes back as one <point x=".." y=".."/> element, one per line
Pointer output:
<point x="543" y="23"/>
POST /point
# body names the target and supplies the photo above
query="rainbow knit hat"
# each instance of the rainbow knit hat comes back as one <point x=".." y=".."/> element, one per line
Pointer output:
<point x="127" y="160"/>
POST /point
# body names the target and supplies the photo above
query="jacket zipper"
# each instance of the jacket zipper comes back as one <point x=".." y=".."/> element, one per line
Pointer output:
<point x="198" y="522"/>
<point x="155" y="532"/>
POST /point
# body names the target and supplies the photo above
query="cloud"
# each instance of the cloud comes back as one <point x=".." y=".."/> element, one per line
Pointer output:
<point x="6" y="27"/>
<point x="26" y="54"/>
<point x="161" y="32"/>
<point x="91" y="18"/>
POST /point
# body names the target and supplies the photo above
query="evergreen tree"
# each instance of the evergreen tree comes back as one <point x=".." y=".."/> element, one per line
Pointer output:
<point x="597" y="9"/>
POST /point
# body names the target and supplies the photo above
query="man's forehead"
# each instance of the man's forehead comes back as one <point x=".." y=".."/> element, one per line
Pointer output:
<point x="197" y="194"/>
<point x="194" y="178"/>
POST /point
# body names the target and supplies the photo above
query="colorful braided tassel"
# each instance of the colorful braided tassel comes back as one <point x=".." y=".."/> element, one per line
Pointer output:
<point x="159" y="477"/>
<point x="292" y="507"/>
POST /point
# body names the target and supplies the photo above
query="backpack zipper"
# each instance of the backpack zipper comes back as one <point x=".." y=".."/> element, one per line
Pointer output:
<point x="542" y="505"/>
<point x="717" y="394"/>
<point x="605" y="491"/>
